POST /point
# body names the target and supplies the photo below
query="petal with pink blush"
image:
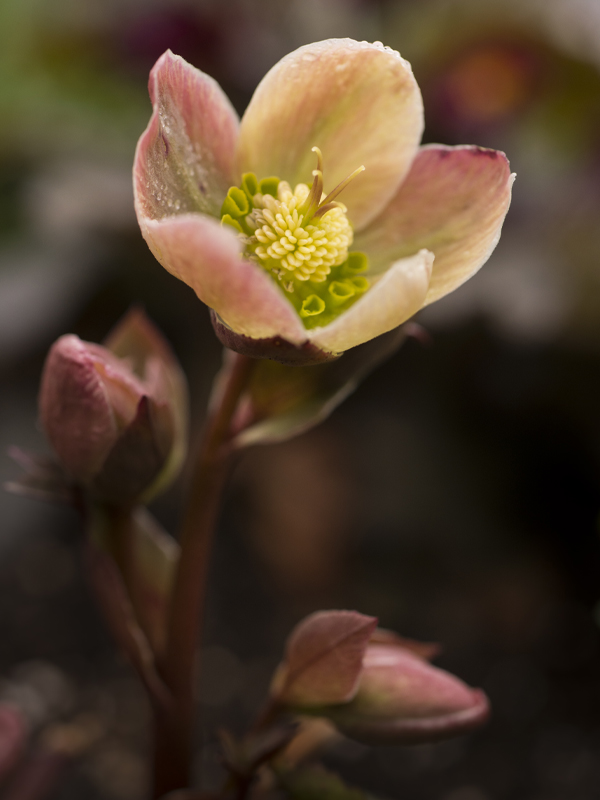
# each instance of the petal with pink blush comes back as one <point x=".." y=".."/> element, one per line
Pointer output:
<point x="394" y="298"/>
<point x="358" y="102"/>
<point x="185" y="158"/>
<point x="453" y="202"/>
<point x="206" y="256"/>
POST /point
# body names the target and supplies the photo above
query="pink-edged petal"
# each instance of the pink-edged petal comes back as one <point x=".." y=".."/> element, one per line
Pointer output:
<point x="206" y="256"/>
<point x="358" y="102"/>
<point x="185" y="158"/>
<point x="453" y="202"/>
<point x="396" y="296"/>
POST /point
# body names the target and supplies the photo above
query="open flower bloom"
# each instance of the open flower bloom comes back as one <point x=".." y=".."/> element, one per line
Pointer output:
<point x="312" y="226"/>
<point x="116" y="416"/>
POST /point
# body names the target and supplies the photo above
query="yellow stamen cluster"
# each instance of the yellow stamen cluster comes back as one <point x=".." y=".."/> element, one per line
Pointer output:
<point x="289" y="246"/>
<point x="302" y="238"/>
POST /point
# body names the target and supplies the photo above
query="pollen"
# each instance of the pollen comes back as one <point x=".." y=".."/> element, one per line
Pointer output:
<point x="302" y="238"/>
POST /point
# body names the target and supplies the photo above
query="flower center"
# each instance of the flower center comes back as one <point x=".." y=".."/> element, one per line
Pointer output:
<point x="302" y="238"/>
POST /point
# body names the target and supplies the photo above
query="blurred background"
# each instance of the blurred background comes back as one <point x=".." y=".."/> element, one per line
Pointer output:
<point x="455" y="495"/>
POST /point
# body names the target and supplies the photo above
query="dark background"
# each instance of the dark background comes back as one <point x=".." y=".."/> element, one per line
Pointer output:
<point x="455" y="495"/>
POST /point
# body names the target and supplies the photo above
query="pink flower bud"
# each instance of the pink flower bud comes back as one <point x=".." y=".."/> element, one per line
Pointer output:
<point x="117" y="415"/>
<point x="373" y="685"/>
<point x="402" y="699"/>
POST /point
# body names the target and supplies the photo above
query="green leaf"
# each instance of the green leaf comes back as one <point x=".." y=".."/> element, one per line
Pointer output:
<point x="284" y="401"/>
<point x="115" y="603"/>
<point x="156" y="557"/>
<point x="146" y="557"/>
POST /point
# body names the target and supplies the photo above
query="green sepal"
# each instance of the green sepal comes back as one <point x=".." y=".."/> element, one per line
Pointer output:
<point x="236" y="203"/>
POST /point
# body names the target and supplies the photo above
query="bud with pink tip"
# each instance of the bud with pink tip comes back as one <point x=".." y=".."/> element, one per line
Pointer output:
<point x="391" y="693"/>
<point x="403" y="699"/>
<point x="116" y="415"/>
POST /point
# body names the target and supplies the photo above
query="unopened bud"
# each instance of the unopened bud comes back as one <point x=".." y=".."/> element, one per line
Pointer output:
<point x="116" y="415"/>
<point x="373" y="685"/>
<point x="402" y="699"/>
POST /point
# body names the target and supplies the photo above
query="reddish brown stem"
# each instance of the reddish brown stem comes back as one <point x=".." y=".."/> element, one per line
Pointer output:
<point x="173" y="747"/>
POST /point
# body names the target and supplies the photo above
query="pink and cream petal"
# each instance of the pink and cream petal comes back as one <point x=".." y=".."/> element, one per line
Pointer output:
<point x="185" y="158"/>
<point x="206" y="256"/>
<point x="358" y="102"/>
<point x="453" y="202"/>
<point x="394" y="298"/>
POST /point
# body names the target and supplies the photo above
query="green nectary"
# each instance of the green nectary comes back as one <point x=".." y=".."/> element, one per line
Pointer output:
<point x="302" y="239"/>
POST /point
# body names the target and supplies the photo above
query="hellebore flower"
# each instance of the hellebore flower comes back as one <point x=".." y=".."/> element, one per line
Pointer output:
<point x="373" y="685"/>
<point x="312" y="226"/>
<point x="116" y="416"/>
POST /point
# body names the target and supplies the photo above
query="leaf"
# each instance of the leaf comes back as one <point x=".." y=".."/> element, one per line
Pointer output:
<point x="120" y="617"/>
<point x="156" y="555"/>
<point x="317" y="783"/>
<point x="146" y="558"/>
<point x="323" y="660"/>
<point x="284" y="401"/>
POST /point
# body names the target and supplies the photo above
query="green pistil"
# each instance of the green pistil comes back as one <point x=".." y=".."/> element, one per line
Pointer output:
<point x="317" y="302"/>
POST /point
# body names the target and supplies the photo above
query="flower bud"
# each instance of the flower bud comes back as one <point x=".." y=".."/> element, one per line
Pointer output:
<point x="373" y="685"/>
<point x="402" y="699"/>
<point x="116" y="415"/>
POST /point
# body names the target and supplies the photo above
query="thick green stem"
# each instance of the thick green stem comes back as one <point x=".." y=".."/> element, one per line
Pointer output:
<point x="174" y="730"/>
